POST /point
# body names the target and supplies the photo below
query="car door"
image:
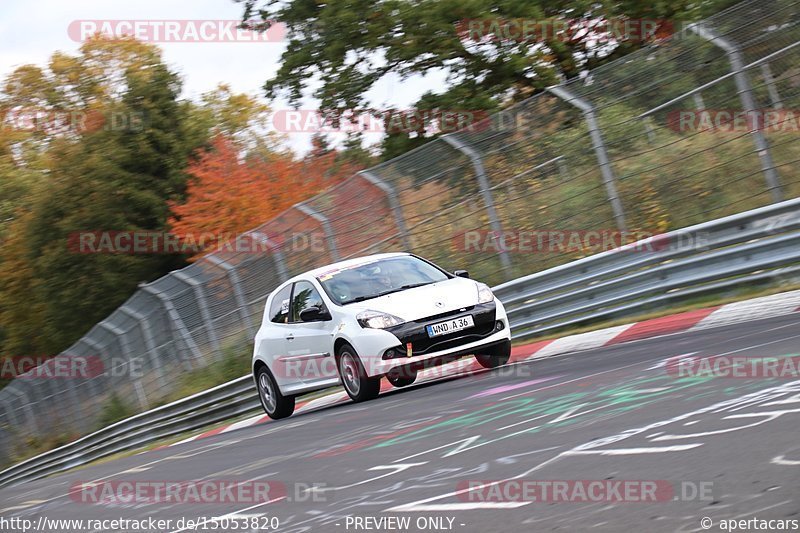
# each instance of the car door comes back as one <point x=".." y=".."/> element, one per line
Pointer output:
<point x="310" y="344"/>
<point x="272" y="338"/>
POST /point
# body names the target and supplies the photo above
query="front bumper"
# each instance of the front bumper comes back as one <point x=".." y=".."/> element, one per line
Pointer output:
<point x="490" y="330"/>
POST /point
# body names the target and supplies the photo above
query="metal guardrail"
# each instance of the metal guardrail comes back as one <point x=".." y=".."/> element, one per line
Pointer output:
<point x="742" y="248"/>
<point x="223" y="402"/>
<point x="754" y="245"/>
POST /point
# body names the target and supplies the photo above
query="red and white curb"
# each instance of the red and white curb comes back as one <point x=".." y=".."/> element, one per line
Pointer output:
<point x="756" y="308"/>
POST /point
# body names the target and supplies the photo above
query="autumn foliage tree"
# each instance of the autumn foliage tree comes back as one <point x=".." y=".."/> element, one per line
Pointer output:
<point x="230" y="192"/>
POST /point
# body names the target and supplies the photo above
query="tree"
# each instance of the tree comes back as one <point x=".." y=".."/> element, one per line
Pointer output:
<point x="231" y="191"/>
<point x="117" y="174"/>
<point x="339" y="50"/>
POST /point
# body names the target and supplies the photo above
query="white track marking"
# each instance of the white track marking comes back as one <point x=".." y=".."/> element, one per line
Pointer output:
<point x="779" y="460"/>
<point x="636" y="451"/>
<point x="582" y="341"/>
<point x="416" y="505"/>
<point x="465" y="506"/>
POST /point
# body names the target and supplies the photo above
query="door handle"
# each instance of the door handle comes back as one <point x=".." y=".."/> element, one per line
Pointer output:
<point x="289" y="337"/>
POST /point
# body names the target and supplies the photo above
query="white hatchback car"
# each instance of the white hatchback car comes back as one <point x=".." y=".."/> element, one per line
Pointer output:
<point x="356" y="321"/>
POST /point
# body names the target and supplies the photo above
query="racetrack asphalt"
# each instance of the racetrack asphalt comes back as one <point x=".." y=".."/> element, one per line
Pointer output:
<point x="721" y="448"/>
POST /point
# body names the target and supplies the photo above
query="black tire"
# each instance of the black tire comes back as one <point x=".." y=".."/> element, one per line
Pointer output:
<point x="275" y="404"/>
<point x="357" y="384"/>
<point x="498" y="356"/>
<point x="401" y="377"/>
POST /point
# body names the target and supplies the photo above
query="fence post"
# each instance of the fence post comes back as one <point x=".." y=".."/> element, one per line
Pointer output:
<point x="275" y="252"/>
<point x="486" y="193"/>
<point x="599" y="149"/>
<point x="769" y="81"/>
<point x="237" y="290"/>
<point x="12" y="414"/>
<point x="326" y="227"/>
<point x="648" y="128"/>
<point x="699" y="104"/>
<point x="91" y="381"/>
<point x="563" y="171"/>
<point x="394" y="204"/>
<point x="26" y="405"/>
<point x="179" y="329"/>
<point x="202" y="303"/>
<point x="149" y="342"/>
<point x="748" y="105"/>
<point x="126" y="351"/>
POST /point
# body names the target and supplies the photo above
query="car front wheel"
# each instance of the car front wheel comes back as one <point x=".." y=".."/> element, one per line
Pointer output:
<point x="497" y="356"/>
<point x="358" y="385"/>
<point x="274" y="403"/>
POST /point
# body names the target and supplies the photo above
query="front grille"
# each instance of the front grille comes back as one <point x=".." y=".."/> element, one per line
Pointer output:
<point x="414" y="332"/>
<point x="433" y="318"/>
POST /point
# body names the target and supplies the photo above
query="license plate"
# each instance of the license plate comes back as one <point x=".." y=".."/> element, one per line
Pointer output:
<point x="449" y="326"/>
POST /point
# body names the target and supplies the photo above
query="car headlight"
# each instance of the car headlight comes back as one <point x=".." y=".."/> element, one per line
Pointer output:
<point x="378" y="320"/>
<point x="485" y="294"/>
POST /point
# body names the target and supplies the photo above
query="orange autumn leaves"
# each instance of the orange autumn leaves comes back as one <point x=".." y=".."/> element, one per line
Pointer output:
<point x="229" y="193"/>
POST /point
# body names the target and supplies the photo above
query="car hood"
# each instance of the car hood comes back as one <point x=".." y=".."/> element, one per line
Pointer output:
<point x="421" y="302"/>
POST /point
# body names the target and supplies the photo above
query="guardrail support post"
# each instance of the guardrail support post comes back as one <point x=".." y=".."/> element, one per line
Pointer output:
<point x="486" y="193"/>
<point x="202" y="303"/>
<point x="599" y="149"/>
<point x="237" y="290"/>
<point x="699" y="104"/>
<point x="394" y="204"/>
<point x="179" y="329"/>
<point x="748" y="105"/>
<point x="326" y="227"/>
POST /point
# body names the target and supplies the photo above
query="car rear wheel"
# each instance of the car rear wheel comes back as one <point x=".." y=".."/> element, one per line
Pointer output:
<point x="274" y="403"/>
<point x="497" y="356"/>
<point x="357" y="384"/>
<point x="401" y="377"/>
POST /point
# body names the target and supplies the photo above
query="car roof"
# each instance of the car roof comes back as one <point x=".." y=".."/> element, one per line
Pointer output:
<point x="347" y="263"/>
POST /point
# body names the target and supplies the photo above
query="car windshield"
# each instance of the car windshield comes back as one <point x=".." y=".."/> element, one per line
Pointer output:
<point x="377" y="278"/>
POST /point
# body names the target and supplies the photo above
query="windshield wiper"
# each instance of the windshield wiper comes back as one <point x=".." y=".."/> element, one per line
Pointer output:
<point x="392" y="291"/>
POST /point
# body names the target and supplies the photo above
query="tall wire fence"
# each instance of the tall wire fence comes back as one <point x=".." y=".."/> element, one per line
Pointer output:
<point x="607" y="151"/>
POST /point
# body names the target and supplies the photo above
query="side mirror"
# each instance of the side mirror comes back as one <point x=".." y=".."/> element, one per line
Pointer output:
<point x="461" y="273"/>
<point x="314" y="313"/>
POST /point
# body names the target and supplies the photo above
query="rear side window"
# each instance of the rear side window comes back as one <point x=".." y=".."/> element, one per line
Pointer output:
<point x="279" y="308"/>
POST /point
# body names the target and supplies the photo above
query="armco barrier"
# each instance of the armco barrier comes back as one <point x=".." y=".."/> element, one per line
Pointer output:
<point x="758" y="244"/>
<point x="738" y="249"/>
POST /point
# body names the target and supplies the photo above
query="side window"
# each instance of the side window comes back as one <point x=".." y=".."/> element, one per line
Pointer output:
<point x="304" y="296"/>
<point x="279" y="308"/>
